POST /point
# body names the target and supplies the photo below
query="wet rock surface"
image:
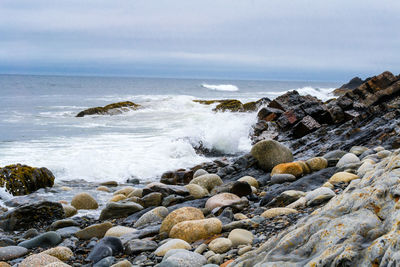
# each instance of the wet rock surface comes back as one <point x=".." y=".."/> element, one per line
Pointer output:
<point x="328" y="196"/>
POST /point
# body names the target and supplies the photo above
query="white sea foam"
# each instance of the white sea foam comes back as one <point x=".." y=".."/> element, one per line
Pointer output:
<point x="221" y="87"/>
<point x="143" y="143"/>
<point x="321" y="93"/>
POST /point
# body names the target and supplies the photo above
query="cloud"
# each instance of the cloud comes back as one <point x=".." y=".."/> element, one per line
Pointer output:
<point x="290" y="36"/>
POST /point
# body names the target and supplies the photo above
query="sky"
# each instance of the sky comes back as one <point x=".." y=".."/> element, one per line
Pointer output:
<point x="237" y="39"/>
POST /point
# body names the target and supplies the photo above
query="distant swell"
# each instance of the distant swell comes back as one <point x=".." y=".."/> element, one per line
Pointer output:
<point x="221" y="87"/>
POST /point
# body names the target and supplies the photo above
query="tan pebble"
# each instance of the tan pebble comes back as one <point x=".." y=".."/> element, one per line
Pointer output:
<point x="271" y="213"/>
<point x="125" y="191"/>
<point x="124" y="263"/>
<point x="66" y="188"/>
<point x="240" y="216"/>
<point x="262" y="194"/>
<point x="61" y="253"/>
<point x="117" y="198"/>
<point x="103" y="188"/>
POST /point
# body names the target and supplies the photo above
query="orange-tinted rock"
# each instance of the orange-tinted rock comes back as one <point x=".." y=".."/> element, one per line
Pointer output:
<point x="293" y="168"/>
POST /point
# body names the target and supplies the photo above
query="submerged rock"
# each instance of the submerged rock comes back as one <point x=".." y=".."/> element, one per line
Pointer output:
<point x="111" y="109"/>
<point x="22" y="179"/>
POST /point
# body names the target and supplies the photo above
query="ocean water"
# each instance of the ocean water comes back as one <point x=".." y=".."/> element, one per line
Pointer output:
<point x="38" y="126"/>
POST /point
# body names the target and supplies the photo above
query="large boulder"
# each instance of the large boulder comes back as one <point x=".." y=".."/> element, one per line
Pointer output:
<point x="270" y="153"/>
<point x="194" y="230"/>
<point x="22" y="180"/>
<point x="32" y="215"/>
<point x="180" y="215"/>
<point x="111" y="109"/>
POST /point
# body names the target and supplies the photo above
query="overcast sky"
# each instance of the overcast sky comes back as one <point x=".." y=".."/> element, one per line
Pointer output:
<point x="254" y="39"/>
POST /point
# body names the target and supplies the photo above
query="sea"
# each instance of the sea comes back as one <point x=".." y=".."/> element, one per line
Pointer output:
<point x="38" y="126"/>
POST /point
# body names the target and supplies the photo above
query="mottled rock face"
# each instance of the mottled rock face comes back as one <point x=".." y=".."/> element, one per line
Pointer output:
<point x="111" y="109"/>
<point x="207" y="181"/>
<point x="21" y="179"/>
<point x="270" y="153"/>
<point x="358" y="227"/>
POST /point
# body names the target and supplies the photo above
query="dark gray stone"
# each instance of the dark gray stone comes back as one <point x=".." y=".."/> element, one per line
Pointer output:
<point x="137" y="246"/>
<point x="108" y="246"/>
<point x="48" y="239"/>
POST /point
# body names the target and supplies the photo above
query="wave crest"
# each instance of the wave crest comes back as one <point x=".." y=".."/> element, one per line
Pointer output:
<point x="221" y="87"/>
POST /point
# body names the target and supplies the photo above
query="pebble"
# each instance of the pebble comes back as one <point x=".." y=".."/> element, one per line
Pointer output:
<point x="250" y="180"/>
<point x="240" y="237"/>
<point x="68" y="231"/>
<point x="106" y="262"/>
<point x="84" y="201"/>
<point x="155" y="215"/>
<point x="271" y="213"/>
<point x="183" y="258"/>
<point x="220" y="200"/>
<point x="180" y="215"/>
<point x="63" y="223"/>
<point x="244" y="249"/>
<point x="220" y="245"/>
<point x="282" y="178"/>
<point x="119" y="230"/>
<point x="172" y="244"/>
<point x="349" y="158"/>
<point x="103" y="188"/>
<point x="117" y="198"/>
<point x="119" y="210"/>
<point x="95" y="230"/>
<point x="61" y="253"/>
<point x="69" y="210"/>
<point x="194" y="230"/>
<point x="137" y="246"/>
<point x="38" y="260"/>
<point x="319" y="196"/>
<point x="12" y="252"/>
<point x="108" y="246"/>
<point x="124" y="263"/>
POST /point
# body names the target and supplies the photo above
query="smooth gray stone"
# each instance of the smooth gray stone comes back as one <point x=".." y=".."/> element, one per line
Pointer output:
<point x="119" y="210"/>
<point x="63" y="223"/>
<point x="107" y="246"/>
<point x="282" y="178"/>
<point x="49" y="239"/>
<point x="106" y="262"/>
<point x="137" y="246"/>
<point x="12" y="252"/>
<point x="67" y="231"/>
<point x="182" y="258"/>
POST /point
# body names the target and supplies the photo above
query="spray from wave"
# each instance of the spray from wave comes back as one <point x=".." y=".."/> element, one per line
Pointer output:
<point x="221" y="87"/>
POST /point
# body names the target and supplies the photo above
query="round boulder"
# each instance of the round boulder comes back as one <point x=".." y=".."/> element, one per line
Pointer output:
<point x="199" y="172"/>
<point x="349" y="158"/>
<point x="317" y="163"/>
<point x="250" y="180"/>
<point x="220" y="200"/>
<point x="270" y="153"/>
<point x="84" y="201"/>
<point x="293" y="168"/>
<point x="172" y="244"/>
<point x="207" y="181"/>
<point x="180" y="215"/>
<point x="191" y="231"/>
<point x="240" y="237"/>
<point x="196" y="191"/>
<point x="220" y="245"/>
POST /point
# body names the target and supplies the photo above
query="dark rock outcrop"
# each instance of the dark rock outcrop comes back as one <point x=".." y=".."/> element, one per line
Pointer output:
<point x="32" y="216"/>
<point x="21" y="179"/>
<point x="352" y="84"/>
<point x="111" y="109"/>
<point x="234" y="105"/>
<point x="366" y="115"/>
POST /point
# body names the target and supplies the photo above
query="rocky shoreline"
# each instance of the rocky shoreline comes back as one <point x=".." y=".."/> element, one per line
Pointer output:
<point x="319" y="188"/>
